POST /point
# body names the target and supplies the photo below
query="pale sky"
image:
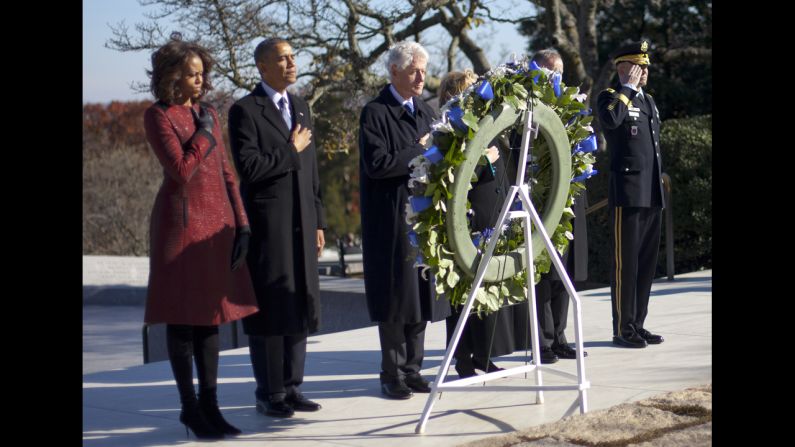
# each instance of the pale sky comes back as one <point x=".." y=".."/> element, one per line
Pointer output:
<point x="107" y="74"/>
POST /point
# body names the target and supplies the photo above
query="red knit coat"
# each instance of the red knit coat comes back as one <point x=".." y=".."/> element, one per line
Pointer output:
<point x="193" y="224"/>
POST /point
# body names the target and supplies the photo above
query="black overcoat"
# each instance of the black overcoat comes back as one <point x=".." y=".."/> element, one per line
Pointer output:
<point x="388" y="139"/>
<point x="281" y="193"/>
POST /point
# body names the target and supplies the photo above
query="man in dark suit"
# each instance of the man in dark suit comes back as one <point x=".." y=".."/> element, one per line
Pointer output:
<point x="393" y="129"/>
<point x="553" y="298"/>
<point x="270" y="132"/>
<point x="631" y="125"/>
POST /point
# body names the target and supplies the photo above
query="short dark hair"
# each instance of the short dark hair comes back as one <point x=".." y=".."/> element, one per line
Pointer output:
<point x="167" y="63"/>
<point x="266" y="46"/>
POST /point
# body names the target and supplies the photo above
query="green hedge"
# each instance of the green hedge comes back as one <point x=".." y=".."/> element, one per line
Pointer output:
<point x="687" y="159"/>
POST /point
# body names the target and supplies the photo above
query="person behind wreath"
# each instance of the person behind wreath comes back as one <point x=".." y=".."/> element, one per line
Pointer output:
<point x="491" y="335"/>
<point x="631" y="125"/>
<point x="553" y="298"/>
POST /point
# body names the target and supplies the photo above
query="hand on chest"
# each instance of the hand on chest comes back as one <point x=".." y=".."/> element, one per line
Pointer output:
<point x="410" y="129"/>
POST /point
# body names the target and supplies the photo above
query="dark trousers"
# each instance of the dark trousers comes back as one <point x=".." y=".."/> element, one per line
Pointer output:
<point x="552" y="302"/>
<point x="186" y="343"/>
<point x="278" y="363"/>
<point x="635" y="238"/>
<point x="402" y="349"/>
<point x="552" y="305"/>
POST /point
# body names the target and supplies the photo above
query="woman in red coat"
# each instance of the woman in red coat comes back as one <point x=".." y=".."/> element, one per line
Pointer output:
<point x="199" y="232"/>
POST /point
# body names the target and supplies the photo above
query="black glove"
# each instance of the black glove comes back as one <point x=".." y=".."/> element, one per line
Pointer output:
<point x="204" y="119"/>
<point x="240" y="249"/>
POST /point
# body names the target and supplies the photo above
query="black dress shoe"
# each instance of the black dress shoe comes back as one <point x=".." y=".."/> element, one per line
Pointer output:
<point x="396" y="390"/>
<point x="547" y="356"/>
<point x="650" y="338"/>
<point x="566" y="352"/>
<point x="417" y="383"/>
<point x="481" y="365"/>
<point x="465" y="368"/>
<point x="278" y="408"/>
<point x="301" y="403"/>
<point x="632" y="341"/>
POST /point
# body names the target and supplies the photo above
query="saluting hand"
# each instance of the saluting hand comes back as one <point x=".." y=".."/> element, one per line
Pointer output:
<point x="301" y="137"/>
<point x="632" y="76"/>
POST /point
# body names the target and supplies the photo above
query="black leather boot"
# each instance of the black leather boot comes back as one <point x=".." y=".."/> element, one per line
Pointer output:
<point x="209" y="406"/>
<point x="193" y="418"/>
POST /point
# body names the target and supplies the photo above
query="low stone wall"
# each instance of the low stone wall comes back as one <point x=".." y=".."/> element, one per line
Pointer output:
<point x="122" y="281"/>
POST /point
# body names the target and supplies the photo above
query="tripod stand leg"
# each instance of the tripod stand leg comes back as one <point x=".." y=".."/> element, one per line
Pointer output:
<point x="462" y="320"/>
<point x="531" y="291"/>
<point x="558" y="264"/>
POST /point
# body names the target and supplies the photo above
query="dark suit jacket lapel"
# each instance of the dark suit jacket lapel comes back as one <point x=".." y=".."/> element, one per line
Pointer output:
<point x="269" y="110"/>
<point x="395" y="108"/>
<point x="300" y="114"/>
<point x="424" y="112"/>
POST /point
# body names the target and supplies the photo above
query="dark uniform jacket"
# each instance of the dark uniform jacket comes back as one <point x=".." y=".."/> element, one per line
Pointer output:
<point x="281" y="193"/>
<point x="632" y="130"/>
<point x="388" y="140"/>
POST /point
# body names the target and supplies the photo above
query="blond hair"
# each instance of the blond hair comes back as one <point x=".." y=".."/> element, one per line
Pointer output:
<point x="454" y="83"/>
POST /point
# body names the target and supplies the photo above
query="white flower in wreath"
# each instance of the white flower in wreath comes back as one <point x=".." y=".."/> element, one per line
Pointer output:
<point x="499" y="72"/>
<point x="442" y="126"/>
<point x="411" y="216"/>
<point x="581" y="97"/>
<point x="420" y="171"/>
<point x="568" y="235"/>
<point x="413" y="182"/>
<point x="418" y="162"/>
<point x="419" y="175"/>
<point x="588" y="128"/>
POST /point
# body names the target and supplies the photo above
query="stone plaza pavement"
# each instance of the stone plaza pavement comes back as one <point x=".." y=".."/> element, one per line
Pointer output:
<point x="138" y="405"/>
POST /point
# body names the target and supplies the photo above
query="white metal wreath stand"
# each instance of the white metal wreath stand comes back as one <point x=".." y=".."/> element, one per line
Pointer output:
<point x="527" y="214"/>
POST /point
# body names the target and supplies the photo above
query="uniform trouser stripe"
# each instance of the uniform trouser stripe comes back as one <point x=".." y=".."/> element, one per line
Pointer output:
<point x="618" y="258"/>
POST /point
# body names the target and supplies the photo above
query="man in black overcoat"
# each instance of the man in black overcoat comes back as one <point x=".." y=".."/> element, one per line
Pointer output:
<point x="393" y="130"/>
<point x="631" y="124"/>
<point x="270" y="132"/>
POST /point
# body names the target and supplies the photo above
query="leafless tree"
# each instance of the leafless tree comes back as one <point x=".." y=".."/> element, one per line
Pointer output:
<point x="341" y="39"/>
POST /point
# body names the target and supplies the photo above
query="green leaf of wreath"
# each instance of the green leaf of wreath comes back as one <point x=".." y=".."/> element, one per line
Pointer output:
<point x="471" y="121"/>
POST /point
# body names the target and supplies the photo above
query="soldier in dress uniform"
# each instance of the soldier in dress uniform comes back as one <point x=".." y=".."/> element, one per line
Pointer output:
<point x="631" y="124"/>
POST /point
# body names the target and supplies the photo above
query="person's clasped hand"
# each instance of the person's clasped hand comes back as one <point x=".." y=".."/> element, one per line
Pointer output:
<point x="492" y="153"/>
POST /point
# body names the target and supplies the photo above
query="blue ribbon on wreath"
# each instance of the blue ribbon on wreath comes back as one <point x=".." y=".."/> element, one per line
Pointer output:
<point x="420" y="203"/>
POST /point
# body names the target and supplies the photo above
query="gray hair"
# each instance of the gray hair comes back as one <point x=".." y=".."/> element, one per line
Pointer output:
<point x="403" y="53"/>
<point x="547" y="57"/>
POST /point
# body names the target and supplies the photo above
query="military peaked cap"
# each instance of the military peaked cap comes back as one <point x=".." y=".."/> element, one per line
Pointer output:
<point x="636" y="52"/>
